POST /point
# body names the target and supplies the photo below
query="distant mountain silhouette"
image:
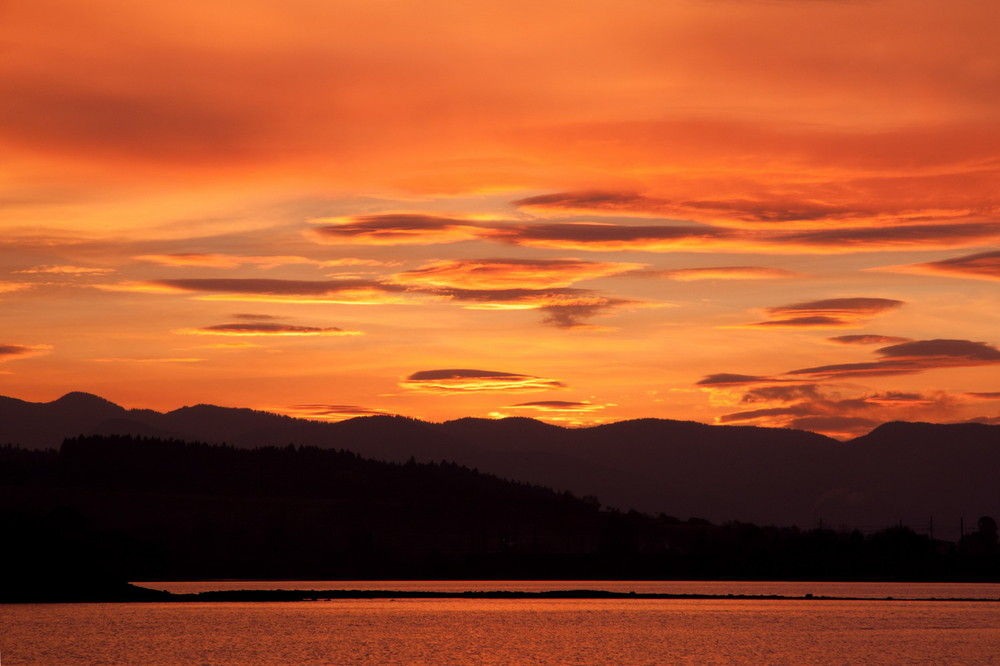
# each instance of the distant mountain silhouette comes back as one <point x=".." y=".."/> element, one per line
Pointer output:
<point x="910" y="472"/>
<point x="105" y="509"/>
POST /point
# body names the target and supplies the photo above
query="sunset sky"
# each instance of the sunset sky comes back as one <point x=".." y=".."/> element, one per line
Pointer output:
<point x="764" y="212"/>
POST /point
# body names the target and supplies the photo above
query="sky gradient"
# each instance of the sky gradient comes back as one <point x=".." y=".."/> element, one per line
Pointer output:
<point x="771" y="212"/>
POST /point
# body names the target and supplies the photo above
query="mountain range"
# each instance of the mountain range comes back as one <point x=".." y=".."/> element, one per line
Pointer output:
<point x="928" y="476"/>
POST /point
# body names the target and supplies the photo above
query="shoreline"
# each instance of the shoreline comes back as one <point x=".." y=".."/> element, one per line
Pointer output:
<point x="145" y="595"/>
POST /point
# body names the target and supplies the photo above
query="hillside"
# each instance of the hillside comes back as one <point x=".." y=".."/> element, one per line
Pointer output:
<point x="916" y="473"/>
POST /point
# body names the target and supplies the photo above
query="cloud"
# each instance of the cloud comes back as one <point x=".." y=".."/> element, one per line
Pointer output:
<point x="574" y="316"/>
<point x="983" y="266"/>
<point x="565" y="412"/>
<point x="897" y="238"/>
<point x="455" y="381"/>
<point x="761" y="201"/>
<point x="510" y="273"/>
<point x="357" y="291"/>
<point x="395" y="229"/>
<point x="166" y="360"/>
<point x="9" y="287"/>
<point x="251" y="316"/>
<point x="323" y="412"/>
<point x="818" y="409"/>
<point x="827" y="313"/>
<point x="786" y="393"/>
<point x="718" y="273"/>
<point x="220" y="260"/>
<point x="732" y="379"/>
<point x="800" y="399"/>
<point x="867" y="339"/>
<point x="843" y="427"/>
<point x="422" y="229"/>
<point x="264" y="329"/>
<point x="597" y="202"/>
<point x="909" y="358"/>
<point x="736" y="211"/>
<point x="64" y="270"/>
<point x="564" y="307"/>
<point x="558" y="406"/>
<point x="987" y="420"/>
<point x="10" y="352"/>
<point x="598" y="237"/>
<point x="984" y="395"/>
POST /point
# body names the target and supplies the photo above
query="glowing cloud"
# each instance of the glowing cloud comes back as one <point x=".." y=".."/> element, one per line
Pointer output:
<point x="475" y="381"/>
<point x="564" y="307"/>
<point x="8" y="287"/>
<point x="732" y="379"/>
<point x="983" y="266"/>
<point x="718" y="273"/>
<point x="217" y="260"/>
<point x="394" y="229"/>
<point x="358" y="291"/>
<point x="420" y="229"/>
<point x="867" y="339"/>
<point x="510" y="273"/>
<point x="558" y="406"/>
<point x="10" y="352"/>
<point x="911" y="357"/>
<point x="828" y="313"/>
<point x="64" y="270"/>
<point x="250" y="329"/>
<point x="322" y="412"/>
<point x="816" y="409"/>
<point x="564" y="412"/>
<point x="737" y="211"/>
<point x="165" y="360"/>
<point x="600" y="237"/>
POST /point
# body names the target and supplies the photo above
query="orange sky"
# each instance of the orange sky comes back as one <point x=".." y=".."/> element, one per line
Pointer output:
<point x="773" y="212"/>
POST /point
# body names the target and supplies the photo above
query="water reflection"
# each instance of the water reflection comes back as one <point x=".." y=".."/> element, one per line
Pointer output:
<point x="503" y="632"/>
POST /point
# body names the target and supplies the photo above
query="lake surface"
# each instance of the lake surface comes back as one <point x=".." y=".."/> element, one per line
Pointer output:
<point x="498" y="631"/>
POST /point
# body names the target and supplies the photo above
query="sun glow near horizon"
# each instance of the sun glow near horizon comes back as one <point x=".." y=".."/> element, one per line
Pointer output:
<point x="770" y="213"/>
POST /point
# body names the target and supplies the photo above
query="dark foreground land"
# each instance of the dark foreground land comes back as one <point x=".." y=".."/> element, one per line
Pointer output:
<point x="131" y="593"/>
<point x="102" y="510"/>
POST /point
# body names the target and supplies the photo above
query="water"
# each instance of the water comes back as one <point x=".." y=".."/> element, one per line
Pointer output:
<point x="496" y="631"/>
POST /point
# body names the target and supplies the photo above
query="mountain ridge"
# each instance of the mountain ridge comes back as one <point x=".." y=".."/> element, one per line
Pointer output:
<point x="916" y="472"/>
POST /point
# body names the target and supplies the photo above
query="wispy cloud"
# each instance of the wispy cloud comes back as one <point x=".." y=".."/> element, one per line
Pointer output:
<point x="453" y="381"/>
<point x="718" y="273"/>
<point x="264" y="329"/>
<point x="417" y="229"/>
<point x="153" y="360"/>
<point x="867" y="339"/>
<point x="395" y="229"/>
<point x="983" y="266"/>
<point x="10" y="352"/>
<point x="511" y="273"/>
<point x="564" y="412"/>
<point x="9" y="287"/>
<point x="827" y="313"/>
<point x="909" y="358"/>
<point x="323" y="412"/>
<point x="822" y="410"/>
<point x="812" y="399"/>
<point x="563" y="307"/>
<point x="356" y="291"/>
<point x="736" y="211"/>
<point x="64" y="270"/>
<point x="220" y="260"/>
